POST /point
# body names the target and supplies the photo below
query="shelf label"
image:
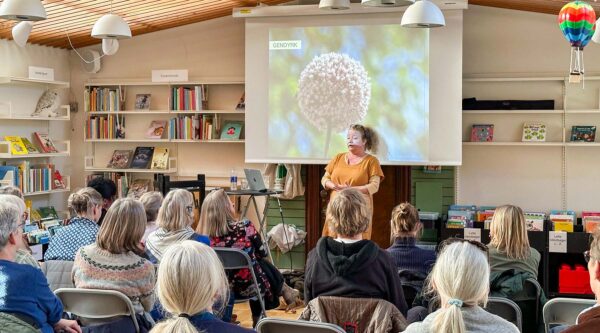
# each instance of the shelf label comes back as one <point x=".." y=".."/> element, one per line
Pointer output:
<point x="473" y="234"/>
<point x="557" y="242"/>
<point x="169" y="75"/>
<point x="41" y="73"/>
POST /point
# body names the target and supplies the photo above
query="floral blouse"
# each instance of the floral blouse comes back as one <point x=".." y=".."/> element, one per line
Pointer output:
<point x="243" y="236"/>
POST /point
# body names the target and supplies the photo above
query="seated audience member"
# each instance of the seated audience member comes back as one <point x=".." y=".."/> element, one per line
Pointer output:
<point x="175" y="218"/>
<point x="349" y="266"/>
<point x="113" y="261"/>
<point x="217" y="220"/>
<point x="12" y="190"/>
<point x="405" y="228"/>
<point x="108" y="191"/>
<point x="509" y="244"/>
<point x="25" y="292"/>
<point x="191" y="280"/>
<point x="460" y="278"/>
<point x="589" y="319"/>
<point x="151" y="201"/>
<point x="23" y="255"/>
<point x="82" y="229"/>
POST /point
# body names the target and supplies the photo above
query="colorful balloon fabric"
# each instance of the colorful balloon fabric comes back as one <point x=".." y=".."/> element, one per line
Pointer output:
<point x="577" y="22"/>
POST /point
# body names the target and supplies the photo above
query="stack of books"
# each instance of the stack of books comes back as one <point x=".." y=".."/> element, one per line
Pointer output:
<point x="102" y="99"/>
<point x="461" y="216"/>
<point x="105" y="127"/>
<point x="563" y="220"/>
<point x="197" y="127"/>
<point x="193" y="98"/>
<point x="485" y="214"/>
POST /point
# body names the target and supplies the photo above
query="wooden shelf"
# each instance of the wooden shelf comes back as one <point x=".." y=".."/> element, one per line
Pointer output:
<point x="47" y="192"/>
<point x="64" y="145"/>
<point x="10" y="156"/>
<point x="582" y="144"/>
<point x="543" y="144"/>
<point x="91" y="169"/>
<point x="10" y="80"/>
<point x="65" y="116"/>
<point x="208" y="81"/>
<point x="207" y="141"/>
<point x="597" y="111"/>
<point x="515" y="79"/>
<point x="147" y="112"/>
<point x="557" y="112"/>
<point x="128" y="140"/>
<point x="208" y="112"/>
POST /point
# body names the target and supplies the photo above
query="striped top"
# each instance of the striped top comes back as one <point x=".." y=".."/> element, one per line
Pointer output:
<point x="128" y="273"/>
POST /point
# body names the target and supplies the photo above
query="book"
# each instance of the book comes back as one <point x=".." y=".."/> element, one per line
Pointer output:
<point x="563" y="226"/>
<point x="482" y="133"/>
<point x="142" y="102"/>
<point x="142" y="157"/>
<point x="138" y="187"/>
<point x="160" y="159"/>
<point x="583" y="133"/>
<point x="16" y="145"/>
<point x="9" y="175"/>
<point x="30" y="147"/>
<point x="45" y="143"/>
<point x="156" y="129"/>
<point x="535" y="132"/>
<point x="120" y="159"/>
<point x="231" y="131"/>
<point x="57" y="181"/>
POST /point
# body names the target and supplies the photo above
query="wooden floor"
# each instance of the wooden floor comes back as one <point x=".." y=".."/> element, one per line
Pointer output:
<point x="242" y="310"/>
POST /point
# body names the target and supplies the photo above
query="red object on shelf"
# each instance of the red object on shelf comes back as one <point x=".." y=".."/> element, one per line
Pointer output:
<point x="573" y="281"/>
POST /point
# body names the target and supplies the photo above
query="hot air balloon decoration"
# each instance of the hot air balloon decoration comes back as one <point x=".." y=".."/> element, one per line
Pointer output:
<point x="577" y="22"/>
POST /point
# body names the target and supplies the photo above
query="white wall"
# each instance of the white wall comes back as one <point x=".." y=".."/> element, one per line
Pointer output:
<point x="510" y="43"/>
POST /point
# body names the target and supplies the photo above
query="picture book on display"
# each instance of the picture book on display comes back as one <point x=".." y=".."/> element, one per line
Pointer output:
<point x="45" y="143"/>
<point x="16" y="145"/>
<point x="156" y="129"/>
<point x="583" y="133"/>
<point x="231" y="131"/>
<point x="142" y="102"/>
<point x="142" y="157"/>
<point x="120" y="159"/>
<point x="31" y="149"/>
<point x="590" y="221"/>
<point x="482" y="133"/>
<point x="534" y="132"/>
<point x="534" y="221"/>
<point x="160" y="159"/>
<point x="139" y="187"/>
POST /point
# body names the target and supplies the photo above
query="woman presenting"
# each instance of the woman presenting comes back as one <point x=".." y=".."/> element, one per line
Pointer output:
<point x="356" y="168"/>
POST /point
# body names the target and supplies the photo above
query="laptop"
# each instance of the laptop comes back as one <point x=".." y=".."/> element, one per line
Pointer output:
<point x="255" y="180"/>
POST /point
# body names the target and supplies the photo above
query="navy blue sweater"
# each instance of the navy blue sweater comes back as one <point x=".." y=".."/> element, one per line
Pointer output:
<point x="408" y="256"/>
<point x="208" y="323"/>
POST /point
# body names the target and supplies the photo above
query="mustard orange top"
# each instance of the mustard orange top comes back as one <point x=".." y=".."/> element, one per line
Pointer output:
<point x="354" y="175"/>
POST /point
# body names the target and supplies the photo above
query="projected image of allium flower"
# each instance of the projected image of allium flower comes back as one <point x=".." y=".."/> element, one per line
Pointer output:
<point x="334" y="91"/>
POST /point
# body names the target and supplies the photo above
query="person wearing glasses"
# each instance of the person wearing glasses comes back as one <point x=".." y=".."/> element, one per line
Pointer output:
<point x="23" y="255"/>
<point x="589" y="319"/>
<point x="82" y="229"/>
<point x="113" y="262"/>
<point x="175" y="218"/>
<point x="460" y="279"/>
<point x="348" y="265"/>
<point x="509" y="244"/>
<point x="25" y="295"/>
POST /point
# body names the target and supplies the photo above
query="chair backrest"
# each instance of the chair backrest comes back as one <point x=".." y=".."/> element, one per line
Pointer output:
<point x="96" y="306"/>
<point x="564" y="310"/>
<point x="165" y="184"/>
<point x="275" y="325"/>
<point x="507" y="309"/>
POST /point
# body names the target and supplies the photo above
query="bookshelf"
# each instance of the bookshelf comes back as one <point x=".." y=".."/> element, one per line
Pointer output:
<point x="217" y="108"/>
<point x="19" y="97"/>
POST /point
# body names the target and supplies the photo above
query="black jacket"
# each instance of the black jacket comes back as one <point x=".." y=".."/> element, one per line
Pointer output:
<point x="359" y="269"/>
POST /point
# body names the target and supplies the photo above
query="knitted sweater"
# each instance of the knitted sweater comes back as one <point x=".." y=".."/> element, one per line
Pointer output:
<point x="408" y="256"/>
<point x="476" y="319"/>
<point x="128" y="273"/>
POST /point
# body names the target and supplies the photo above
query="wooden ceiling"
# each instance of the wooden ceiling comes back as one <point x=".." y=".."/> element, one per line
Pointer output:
<point x="76" y="17"/>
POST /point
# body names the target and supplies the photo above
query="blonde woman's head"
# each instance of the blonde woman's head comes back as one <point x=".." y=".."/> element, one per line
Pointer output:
<point x="176" y="211"/>
<point x="123" y="227"/>
<point x="348" y="213"/>
<point x="508" y="232"/>
<point x="86" y="202"/>
<point x="152" y="202"/>
<point x="217" y="212"/>
<point x="405" y="221"/>
<point x="190" y="280"/>
<point x="460" y="277"/>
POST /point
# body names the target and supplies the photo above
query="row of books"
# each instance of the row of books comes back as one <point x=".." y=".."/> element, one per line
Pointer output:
<point x="42" y="224"/>
<point x="126" y="187"/>
<point x="143" y="158"/>
<point x="533" y="132"/>
<point x="22" y="145"/>
<point x="105" y="127"/>
<point x="102" y="99"/>
<point x="31" y="177"/>
<point x="196" y="127"/>
<point x="189" y="98"/>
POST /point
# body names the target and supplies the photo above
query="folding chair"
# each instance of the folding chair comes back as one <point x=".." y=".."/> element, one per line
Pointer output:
<point x="275" y="325"/>
<point x="95" y="306"/>
<point x="234" y="259"/>
<point x="564" y="311"/>
<point x="507" y="309"/>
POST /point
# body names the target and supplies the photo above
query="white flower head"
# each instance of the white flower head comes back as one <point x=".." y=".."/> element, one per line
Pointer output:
<point x="334" y="91"/>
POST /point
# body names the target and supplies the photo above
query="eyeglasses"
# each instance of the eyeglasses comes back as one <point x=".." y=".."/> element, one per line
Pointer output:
<point x="449" y="241"/>
<point x="588" y="256"/>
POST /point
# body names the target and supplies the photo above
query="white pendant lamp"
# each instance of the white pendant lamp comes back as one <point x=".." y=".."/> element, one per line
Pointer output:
<point x="110" y="46"/>
<point x="423" y="14"/>
<point x="21" y="31"/>
<point x="111" y="26"/>
<point x="22" y="10"/>
<point x="334" y="4"/>
<point x="387" y="3"/>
